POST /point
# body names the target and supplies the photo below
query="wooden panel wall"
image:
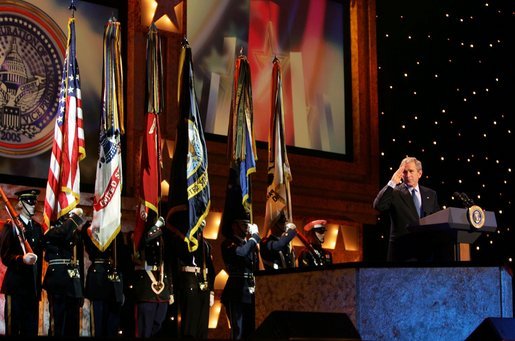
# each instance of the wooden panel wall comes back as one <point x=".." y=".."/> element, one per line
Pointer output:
<point x="322" y="187"/>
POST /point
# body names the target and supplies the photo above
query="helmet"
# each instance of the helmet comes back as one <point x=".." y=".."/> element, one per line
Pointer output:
<point x="316" y="230"/>
<point x="29" y="196"/>
<point x="240" y="227"/>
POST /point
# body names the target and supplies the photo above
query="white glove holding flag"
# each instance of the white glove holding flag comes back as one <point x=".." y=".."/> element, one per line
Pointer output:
<point x="77" y="211"/>
<point x="291" y="226"/>
<point x="30" y="258"/>
<point x="211" y="298"/>
<point x="253" y="229"/>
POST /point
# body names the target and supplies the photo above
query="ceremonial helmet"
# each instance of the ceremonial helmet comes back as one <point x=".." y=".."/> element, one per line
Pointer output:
<point x="316" y="230"/>
<point x="27" y="200"/>
<point x="29" y="196"/>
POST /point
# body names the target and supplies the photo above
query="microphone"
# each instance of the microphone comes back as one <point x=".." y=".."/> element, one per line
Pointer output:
<point x="460" y="196"/>
<point x="469" y="201"/>
<point x="464" y="198"/>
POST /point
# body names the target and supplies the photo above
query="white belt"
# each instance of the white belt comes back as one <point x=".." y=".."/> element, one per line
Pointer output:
<point x="194" y="269"/>
<point x="147" y="267"/>
<point x="59" y="261"/>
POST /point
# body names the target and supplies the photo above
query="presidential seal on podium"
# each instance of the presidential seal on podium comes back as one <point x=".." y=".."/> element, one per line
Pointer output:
<point x="476" y="216"/>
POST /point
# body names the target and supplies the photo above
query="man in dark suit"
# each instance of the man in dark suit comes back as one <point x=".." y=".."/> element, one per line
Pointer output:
<point x="405" y="201"/>
<point x="22" y="281"/>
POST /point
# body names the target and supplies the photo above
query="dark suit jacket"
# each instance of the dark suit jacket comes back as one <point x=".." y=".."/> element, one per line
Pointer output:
<point x="398" y="203"/>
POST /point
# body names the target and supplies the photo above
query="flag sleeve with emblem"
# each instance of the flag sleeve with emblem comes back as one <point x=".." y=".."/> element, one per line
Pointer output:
<point x="63" y="184"/>
<point x="241" y="150"/>
<point x="278" y="197"/>
<point x="107" y="204"/>
<point x="190" y="196"/>
<point x="151" y="162"/>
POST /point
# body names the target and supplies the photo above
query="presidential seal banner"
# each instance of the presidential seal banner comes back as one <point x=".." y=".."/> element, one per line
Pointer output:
<point x="107" y="205"/>
<point x="32" y="50"/>
<point x="190" y="196"/>
<point x="63" y="184"/>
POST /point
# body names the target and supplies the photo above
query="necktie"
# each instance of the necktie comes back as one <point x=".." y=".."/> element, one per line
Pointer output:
<point x="416" y="201"/>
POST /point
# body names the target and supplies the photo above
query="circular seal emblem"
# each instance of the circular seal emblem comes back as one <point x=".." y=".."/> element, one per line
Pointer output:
<point x="32" y="49"/>
<point x="476" y="216"/>
<point x="196" y="151"/>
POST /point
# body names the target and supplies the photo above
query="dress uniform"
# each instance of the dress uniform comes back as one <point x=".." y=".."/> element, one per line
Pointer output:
<point x="152" y="289"/>
<point x="22" y="279"/>
<point x="103" y="288"/>
<point x="276" y="251"/>
<point x="239" y="252"/>
<point x="194" y="277"/>
<point x="314" y="254"/>
<point x="63" y="280"/>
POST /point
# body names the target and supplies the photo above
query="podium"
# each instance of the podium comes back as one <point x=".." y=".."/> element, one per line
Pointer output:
<point x="455" y="222"/>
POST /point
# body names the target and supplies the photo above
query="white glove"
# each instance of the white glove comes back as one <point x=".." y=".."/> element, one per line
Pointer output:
<point x="30" y="258"/>
<point x="77" y="211"/>
<point x="253" y="229"/>
<point x="171" y="300"/>
<point x="291" y="226"/>
<point x="211" y="298"/>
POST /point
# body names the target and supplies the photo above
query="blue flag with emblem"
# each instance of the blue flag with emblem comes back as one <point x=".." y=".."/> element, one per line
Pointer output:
<point x="189" y="197"/>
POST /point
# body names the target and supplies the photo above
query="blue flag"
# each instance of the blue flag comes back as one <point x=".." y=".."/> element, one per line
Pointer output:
<point x="241" y="149"/>
<point x="189" y="196"/>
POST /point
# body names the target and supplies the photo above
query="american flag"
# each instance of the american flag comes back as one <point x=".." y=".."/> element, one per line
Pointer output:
<point x="63" y="185"/>
<point x="278" y="197"/>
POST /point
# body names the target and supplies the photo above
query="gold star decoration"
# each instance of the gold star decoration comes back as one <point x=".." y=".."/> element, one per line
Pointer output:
<point x="166" y="7"/>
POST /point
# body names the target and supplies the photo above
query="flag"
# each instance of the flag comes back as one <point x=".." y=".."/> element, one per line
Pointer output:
<point x="107" y="202"/>
<point x="241" y="150"/>
<point x="190" y="196"/>
<point x="151" y="161"/>
<point x="278" y="197"/>
<point x="63" y="184"/>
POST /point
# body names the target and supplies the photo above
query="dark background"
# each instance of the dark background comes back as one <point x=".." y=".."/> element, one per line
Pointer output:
<point x="446" y="96"/>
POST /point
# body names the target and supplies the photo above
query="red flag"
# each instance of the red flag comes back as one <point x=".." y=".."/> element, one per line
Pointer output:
<point x="63" y="185"/>
<point x="150" y="189"/>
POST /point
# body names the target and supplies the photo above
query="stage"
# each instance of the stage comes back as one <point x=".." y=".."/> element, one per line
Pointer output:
<point x="389" y="302"/>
